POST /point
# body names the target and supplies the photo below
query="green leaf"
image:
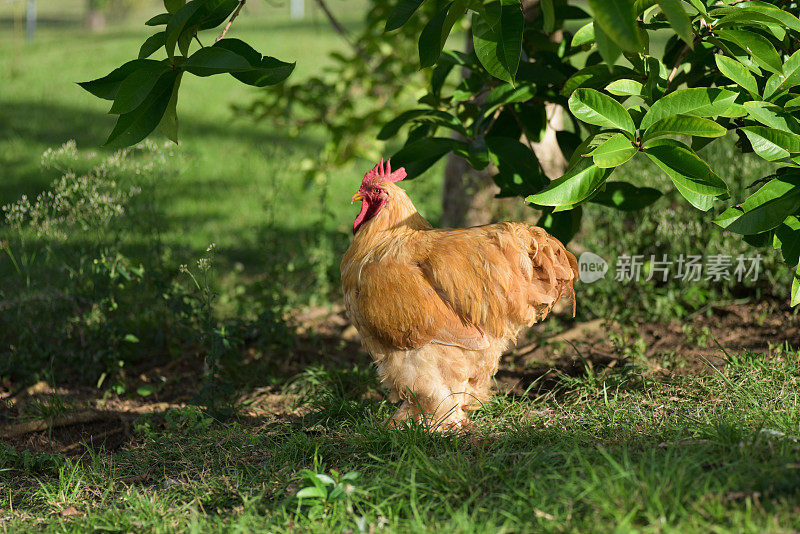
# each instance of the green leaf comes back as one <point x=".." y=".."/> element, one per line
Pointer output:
<point x="626" y="197"/>
<point x="136" y="87"/>
<point x="185" y="40"/>
<point x="577" y="184"/>
<point x="478" y="153"/>
<point x="765" y="209"/>
<point x="700" y="7"/>
<point x="737" y="72"/>
<point x="678" y="19"/>
<point x="325" y="479"/>
<point x="401" y="13"/>
<point x="153" y="43"/>
<point x="518" y="164"/>
<point x="584" y="35"/>
<point x="772" y="116"/>
<point x="196" y="14"/>
<point x="735" y="111"/>
<point x="657" y="80"/>
<point x="508" y="94"/>
<point x="159" y="20"/>
<point x="758" y="240"/>
<point x="130" y="338"/>
<point x="169" y="122"/>
<point x="238" y="46"/>
<point x="701" y="202"/>
<point x="107" y="86"/>
<point x="270" y="71"/>
<point x="609" y="50"/>
<point x="787" y="239"/>
<point x="699" y="101"/>
<point x="391" y="128"/>
<point x="594" y="107"/>
<point x="562" y="225"/>
<point x="589" y="145"/>
<point x="688" y="172"/>
<point x="134" y="126"/>
<point x="145" y="390"/>
<point x="265" y="70"/>
<point x="793" y="104"/>
<point x="215" y="60"/>
<point x="796" y="288"/>
<point x="595" y="77"/>
<point x="617" y="18"/>
<point x="614" y="152"/>
<point x="684" y="125"/>
<point x="434" y="35"/>
<point x="772" y="144"/>
<point x="438" y="117"/>
<point x="438" y="77"/>
<point x="548" y="15"/>
<point x="216" y="12"/>
<point x="791" y="72"/>
<point x="772" y="86"/>
<point x="419" y="155"/>
<point x="312" y="492"/>
<point x="760" y="14"/>
<point x="625" y="87"/>
<point x="352" y="475"/>
<point x="758" y="46"/>
<point x="498" y="49"/>
<point x="179" y="22"/>
<point x="173" y="5"/>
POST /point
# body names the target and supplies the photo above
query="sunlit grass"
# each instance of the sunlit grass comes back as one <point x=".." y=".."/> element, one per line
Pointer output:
<point x="717" y="451"/>
<point x="237" y="176"/>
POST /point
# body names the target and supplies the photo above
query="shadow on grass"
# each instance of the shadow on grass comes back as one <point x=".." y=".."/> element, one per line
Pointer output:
<point x="37" y="126"/>
<point x="537" y="473"/>
<point x="44" y="21"/>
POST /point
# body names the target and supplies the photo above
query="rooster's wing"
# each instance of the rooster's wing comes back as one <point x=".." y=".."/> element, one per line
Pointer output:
<point x="499" y="277"/>
<point x="459" y="285"/>
<point x="397" y="305"/>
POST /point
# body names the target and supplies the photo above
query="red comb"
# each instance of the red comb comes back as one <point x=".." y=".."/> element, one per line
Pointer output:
<point x="384" y="173"/>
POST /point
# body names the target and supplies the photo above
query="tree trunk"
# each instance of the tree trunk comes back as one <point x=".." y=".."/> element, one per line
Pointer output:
<point x="468" y="195"/>
<point x="95" y="16"/>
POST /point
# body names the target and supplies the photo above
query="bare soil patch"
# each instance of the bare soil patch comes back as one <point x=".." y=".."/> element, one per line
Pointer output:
<point x="85" y="418"/>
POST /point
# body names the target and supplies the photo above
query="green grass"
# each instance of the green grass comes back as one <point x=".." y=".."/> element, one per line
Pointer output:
<point x="238" y="179"/>
<point x="627" y="448"/>
<point x="623" y="450"/>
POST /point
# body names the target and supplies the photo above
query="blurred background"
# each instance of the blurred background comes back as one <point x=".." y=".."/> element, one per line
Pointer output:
<point x="108" y="255"/>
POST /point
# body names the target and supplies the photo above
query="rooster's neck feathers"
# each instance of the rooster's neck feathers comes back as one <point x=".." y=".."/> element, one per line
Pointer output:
<point x="397" y="217"/>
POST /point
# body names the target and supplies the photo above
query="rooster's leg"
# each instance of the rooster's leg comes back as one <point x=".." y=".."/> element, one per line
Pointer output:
<point x="432" y="392"/>
<point x="405" y="414"/>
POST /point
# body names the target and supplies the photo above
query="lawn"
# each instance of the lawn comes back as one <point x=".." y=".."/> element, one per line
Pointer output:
<point x="231" y="395"/>
<point x="233" y="169"/>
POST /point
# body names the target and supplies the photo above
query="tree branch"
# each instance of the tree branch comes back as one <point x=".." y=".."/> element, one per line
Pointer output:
<point x="679" y="61"/>
<point x="233" y="17"/>
<point x="340" y="29"/>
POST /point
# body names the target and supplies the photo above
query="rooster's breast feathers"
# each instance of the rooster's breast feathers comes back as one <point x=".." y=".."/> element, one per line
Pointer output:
<point x="456" y="287"/>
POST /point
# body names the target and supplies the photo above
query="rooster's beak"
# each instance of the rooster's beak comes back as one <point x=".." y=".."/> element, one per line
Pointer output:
<point x="357" y="196"/>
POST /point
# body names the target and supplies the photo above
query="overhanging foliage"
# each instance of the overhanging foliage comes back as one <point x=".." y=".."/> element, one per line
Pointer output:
<point x="727" y="66"/>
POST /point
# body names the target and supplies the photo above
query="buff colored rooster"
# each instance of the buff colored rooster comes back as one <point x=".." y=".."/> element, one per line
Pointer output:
<point x="436" y="308"/>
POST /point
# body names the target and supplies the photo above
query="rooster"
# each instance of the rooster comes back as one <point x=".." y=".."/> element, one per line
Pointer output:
<point x="436" y="308"/>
